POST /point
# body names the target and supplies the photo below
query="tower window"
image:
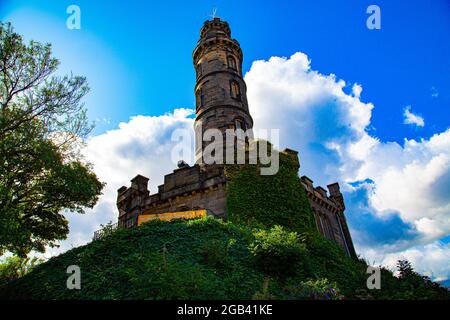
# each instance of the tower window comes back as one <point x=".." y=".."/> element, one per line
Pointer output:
<point x="200" y="98"/>
<point x="240" y="128"/>
<point x="235" y="91"/>
<point x="239" y="125"/>
<point x="231" y="63"/>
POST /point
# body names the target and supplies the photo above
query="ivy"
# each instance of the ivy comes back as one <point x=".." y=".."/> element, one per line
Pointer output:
<point x="268" y="200"/>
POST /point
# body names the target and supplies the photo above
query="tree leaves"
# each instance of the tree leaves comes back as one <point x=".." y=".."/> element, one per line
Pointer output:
<point x="42" y="126"/>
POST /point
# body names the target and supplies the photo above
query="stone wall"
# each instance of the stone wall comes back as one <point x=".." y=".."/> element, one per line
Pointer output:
<point x="213" y="199"/>
<point x="187" y="188"/>
<point x="329" y="214"/>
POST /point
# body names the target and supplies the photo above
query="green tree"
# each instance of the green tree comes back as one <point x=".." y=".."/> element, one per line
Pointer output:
<point x="413" y="285"/>
<point x="42" y="126"/>
<point x="13" y="268"/>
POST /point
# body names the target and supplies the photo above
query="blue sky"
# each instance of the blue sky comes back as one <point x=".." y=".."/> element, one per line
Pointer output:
<point x="142" y="58"/>
<point x="137" y="56"/>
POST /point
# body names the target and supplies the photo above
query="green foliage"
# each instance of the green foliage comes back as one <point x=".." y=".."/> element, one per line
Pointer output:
<point x="320" y="289"/>
<point x="13" y="268"/>
<point x="405" y="269"/>
<point x="159" y="260"/>
<point x="415" y="286"/>
<point x="278" y="253"/>
<point x="42" y="124"/>
<point x="268" y="200"/>
<point x="215" y="252"/>
<point x="106" y="230"/>
<point x="328" y="260"/>
<point x="208" y="259"/>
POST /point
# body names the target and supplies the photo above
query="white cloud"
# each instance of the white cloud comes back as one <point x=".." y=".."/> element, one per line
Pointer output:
<point x="430" y="259"/>
<point x="411" y="118"/>
<point x="357" y="89"/>
<point x="141" y="146"/>
<point x="329" y="128"/>
<point x="312" y="111"/>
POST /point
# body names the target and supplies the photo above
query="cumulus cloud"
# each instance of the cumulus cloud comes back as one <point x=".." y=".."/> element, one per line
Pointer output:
<point x="357" y="89"/>
<point x="142" y="145"/>
<point x="397" y="194"/>
<point x="313" y="113"/>
<point x="430" y="259"/>
<point x="411" y="118"/>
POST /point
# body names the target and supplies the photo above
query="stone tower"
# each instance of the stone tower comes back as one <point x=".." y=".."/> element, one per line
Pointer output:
<point x="221" y="104"/>
<point x="220" y="90"/>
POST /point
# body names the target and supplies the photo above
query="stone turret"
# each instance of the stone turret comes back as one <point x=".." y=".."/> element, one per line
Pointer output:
<point x="336" y="195"/>
<point x="131" y="201"/>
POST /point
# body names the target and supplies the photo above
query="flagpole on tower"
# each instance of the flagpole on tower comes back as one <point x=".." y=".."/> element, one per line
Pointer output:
<point x="213" y="14"/>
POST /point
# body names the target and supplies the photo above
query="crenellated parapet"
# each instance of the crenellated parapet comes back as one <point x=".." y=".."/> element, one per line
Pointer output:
<point x="130" y="201"/>
<point x="318" y="194"/>
<point x="186" y="188"/>
<point x="329" y="213"/>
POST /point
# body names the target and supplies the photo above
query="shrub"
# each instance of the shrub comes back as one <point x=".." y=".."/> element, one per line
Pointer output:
<point x="159" y="260"/>
<point x="328" y="260"/>
<point x="412" y="285"/>
<point x="320" y="289"/>
<point x="214" y="253"/>
<point x="106" y="230"/>
<point x="278" y="252"/>
<point x="211" y="259"/>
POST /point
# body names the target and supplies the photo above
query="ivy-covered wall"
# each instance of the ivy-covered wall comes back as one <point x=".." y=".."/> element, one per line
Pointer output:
<point x="269" y="200"/>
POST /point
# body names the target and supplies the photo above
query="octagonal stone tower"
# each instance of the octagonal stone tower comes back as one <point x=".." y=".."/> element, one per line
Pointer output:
<point x="220" y="90"/>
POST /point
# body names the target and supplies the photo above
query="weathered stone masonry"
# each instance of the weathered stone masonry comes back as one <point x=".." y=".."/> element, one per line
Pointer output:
<point x="221" y="103"/>
<point x="329" y="213"/>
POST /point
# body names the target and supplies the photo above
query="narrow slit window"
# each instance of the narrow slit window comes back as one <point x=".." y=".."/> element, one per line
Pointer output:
<point x="240" y="128"/>
<point x="235" y="90"/>
<point x="231" y="63"/>
<point x="202" y="98"/>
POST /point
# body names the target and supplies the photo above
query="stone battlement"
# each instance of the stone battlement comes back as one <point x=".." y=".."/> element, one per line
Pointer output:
<point x="184" y="189"/>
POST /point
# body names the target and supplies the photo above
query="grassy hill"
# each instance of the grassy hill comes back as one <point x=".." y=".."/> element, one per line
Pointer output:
<point x="209" y="259"/>
<point x="199" y="259"/>
<point x="268" y="249"/>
